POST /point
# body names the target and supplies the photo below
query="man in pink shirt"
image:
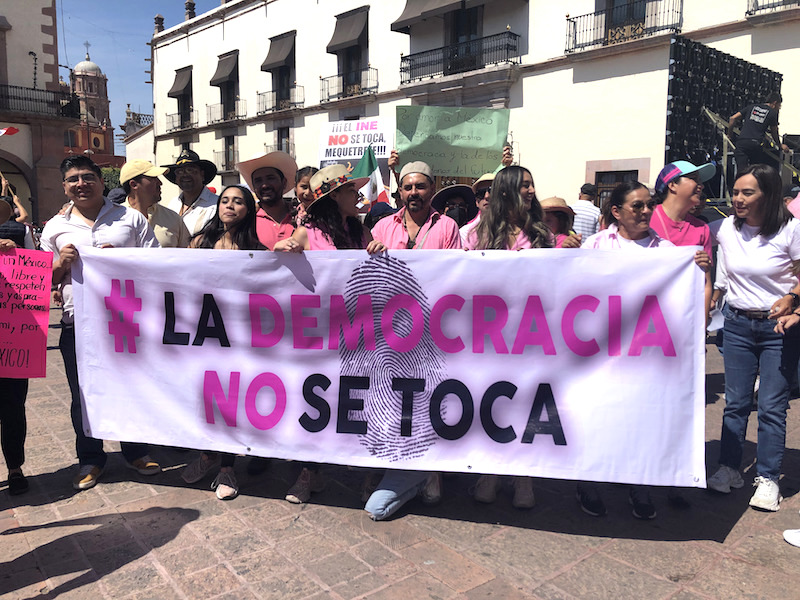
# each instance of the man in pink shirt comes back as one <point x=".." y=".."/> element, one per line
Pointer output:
<point x="417" y="225"/>
<point x="270" y="177"/>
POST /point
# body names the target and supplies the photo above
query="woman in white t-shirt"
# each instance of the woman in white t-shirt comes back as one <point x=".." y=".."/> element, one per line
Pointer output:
<point x="761" y="246"/>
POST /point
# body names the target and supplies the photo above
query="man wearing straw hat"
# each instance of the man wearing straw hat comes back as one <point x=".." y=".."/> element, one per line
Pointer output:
<point x="270" y="176"/>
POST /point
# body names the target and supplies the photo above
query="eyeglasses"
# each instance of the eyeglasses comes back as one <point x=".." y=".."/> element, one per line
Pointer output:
<point x="640" y="206"/>
<point x="480" y="192"/>
<point x="89" y="178"/>
<point x="452" y="204"/>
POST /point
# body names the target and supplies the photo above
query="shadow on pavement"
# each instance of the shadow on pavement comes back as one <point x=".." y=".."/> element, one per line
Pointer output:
<point x="107" y="540"/>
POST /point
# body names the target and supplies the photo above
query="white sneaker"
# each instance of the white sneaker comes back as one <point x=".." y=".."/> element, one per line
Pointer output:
<point x="724" y="479"/>
<point x="486" y="489"/>
<point x="767" y="496"/>
<point x="225" y="485"/>
<point x="792" y="536"/>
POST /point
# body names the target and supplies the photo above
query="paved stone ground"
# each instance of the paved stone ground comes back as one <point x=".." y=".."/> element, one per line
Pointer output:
<point x="137" y="537"/>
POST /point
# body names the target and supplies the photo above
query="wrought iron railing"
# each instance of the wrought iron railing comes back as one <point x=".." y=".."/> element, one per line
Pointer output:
<point x="460" y="58"/>
<point x="294" y="97"/>
<point x="226" y="160"/>
<point x="287" y="147"/>
<point x="178" y="121"/>
<point x="41" y="102"/>
<point x="757" y="7"/>
<point x="140" y="119"/>
<point x="350" y="84"/>
<point x="217" y="113"/>
<point x="623" y="23"/>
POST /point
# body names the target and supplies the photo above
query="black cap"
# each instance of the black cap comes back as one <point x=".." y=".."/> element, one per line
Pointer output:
<point x="589" y="189"/>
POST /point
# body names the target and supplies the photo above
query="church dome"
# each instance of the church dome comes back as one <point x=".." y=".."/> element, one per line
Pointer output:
<point x="87" y="67"/>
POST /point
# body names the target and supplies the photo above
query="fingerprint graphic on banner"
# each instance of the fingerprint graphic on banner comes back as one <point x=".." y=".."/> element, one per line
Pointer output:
<point x="384" y="278"/>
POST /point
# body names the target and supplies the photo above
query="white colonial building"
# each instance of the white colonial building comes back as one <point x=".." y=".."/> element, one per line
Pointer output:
<point x="593" y="86"/>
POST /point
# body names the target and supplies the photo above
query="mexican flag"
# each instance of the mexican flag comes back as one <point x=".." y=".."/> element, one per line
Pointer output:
<point x="374" y="191"/>
<point x="8" y="130"/>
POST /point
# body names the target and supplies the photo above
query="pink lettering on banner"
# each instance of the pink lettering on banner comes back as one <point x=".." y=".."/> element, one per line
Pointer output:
<point x="614" y="325"/>
<point x="363" y="323"/>
<point x="259" y="421"/>
<point x="227" y="405"/>
<point x="527" y="335"/>
<point x="416" y="327"/>
<point x="443" y="304"/>
<point x="123" y="309"/>
<point x="258" y="303"/>
<point x="483" y="326"/>
<point x="301" y="322"/>
<point x="25" y="277"/>
<point x="574" y="343"/>
<point x="659" y="337"/>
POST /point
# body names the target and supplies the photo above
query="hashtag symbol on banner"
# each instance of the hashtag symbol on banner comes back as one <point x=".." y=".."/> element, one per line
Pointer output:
<point x="123" y="309"/>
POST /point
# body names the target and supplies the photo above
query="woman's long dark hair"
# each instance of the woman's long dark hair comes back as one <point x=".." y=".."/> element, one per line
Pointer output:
<point x="773" y="211"/>
<point x="507" y="212"/>
<point x="617" y="198"/>
<point x="243" y="234"/>
<point x="324" y="215"/>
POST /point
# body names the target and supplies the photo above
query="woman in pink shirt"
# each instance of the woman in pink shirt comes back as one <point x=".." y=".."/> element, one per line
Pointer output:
<point x="331" y="221"/>
<point x="513" y="220"/>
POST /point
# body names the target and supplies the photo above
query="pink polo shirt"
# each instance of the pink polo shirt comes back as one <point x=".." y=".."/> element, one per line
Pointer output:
<point x="439" y="232"/>
<point x="269" y="231"/>
<point x="691" y="232"/>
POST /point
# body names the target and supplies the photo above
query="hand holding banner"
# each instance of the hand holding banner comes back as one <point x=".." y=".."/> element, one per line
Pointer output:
<point x="25" y="277"/>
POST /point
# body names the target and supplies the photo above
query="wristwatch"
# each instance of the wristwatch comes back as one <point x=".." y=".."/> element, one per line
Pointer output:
<point x="795" y="299"/>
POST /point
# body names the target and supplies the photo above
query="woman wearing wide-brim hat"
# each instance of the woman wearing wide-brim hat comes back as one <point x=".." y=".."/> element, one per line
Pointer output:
<point x="331" y="221"/>
<point x="188" y="158"/>
<point x="559" y="217"/>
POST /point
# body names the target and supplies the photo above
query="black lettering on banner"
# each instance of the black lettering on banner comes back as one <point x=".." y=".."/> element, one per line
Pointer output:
<point x="317" y="380"/>
<point x="170" y="335"/>
<point x="408" y="387"/>
<point x="544" y="400"/>
<point x="442" y="429"/>
<point x="205" y="329"/>
<point x="348" y="403"/>
<point x="501" y="389"/>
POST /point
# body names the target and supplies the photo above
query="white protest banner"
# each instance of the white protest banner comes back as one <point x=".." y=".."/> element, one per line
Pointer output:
<point x="574" y="364"/>
<point x="343" y="142"/>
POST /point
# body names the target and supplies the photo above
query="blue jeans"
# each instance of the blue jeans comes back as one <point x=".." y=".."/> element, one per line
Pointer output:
<point x="395" y="489"/>
<point x="89" y="450"/>
<point x="751" y="347"/>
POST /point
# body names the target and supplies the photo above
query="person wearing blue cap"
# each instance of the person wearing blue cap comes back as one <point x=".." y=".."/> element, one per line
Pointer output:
<point x="679" y="187"/>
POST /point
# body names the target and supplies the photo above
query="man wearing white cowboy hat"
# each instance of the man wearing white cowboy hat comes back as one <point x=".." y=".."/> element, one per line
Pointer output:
<point x="139" y="179"/>
<point x="270" y="176"/>
<point x="196" y="203"/>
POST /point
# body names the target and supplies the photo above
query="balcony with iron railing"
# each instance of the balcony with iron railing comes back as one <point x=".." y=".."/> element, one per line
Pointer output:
<point x="219" y="113"/>
<point x="350" y="84"/>
<point x="225" y="160"/>
<point x="14" y="98"/>
<point x="622" y="23"/>
<point x="180" y="121"/>
<point x="287" y="147"/>
<point x="758" y="7"/>
<point x="461" y="58"/>
<point x="294" y="97"/>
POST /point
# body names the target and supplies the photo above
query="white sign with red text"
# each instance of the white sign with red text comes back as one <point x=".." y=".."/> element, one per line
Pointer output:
<point x="572" y="364"/>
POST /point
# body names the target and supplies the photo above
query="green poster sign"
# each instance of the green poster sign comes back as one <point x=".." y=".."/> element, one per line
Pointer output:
<point x="455" y="142"/>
